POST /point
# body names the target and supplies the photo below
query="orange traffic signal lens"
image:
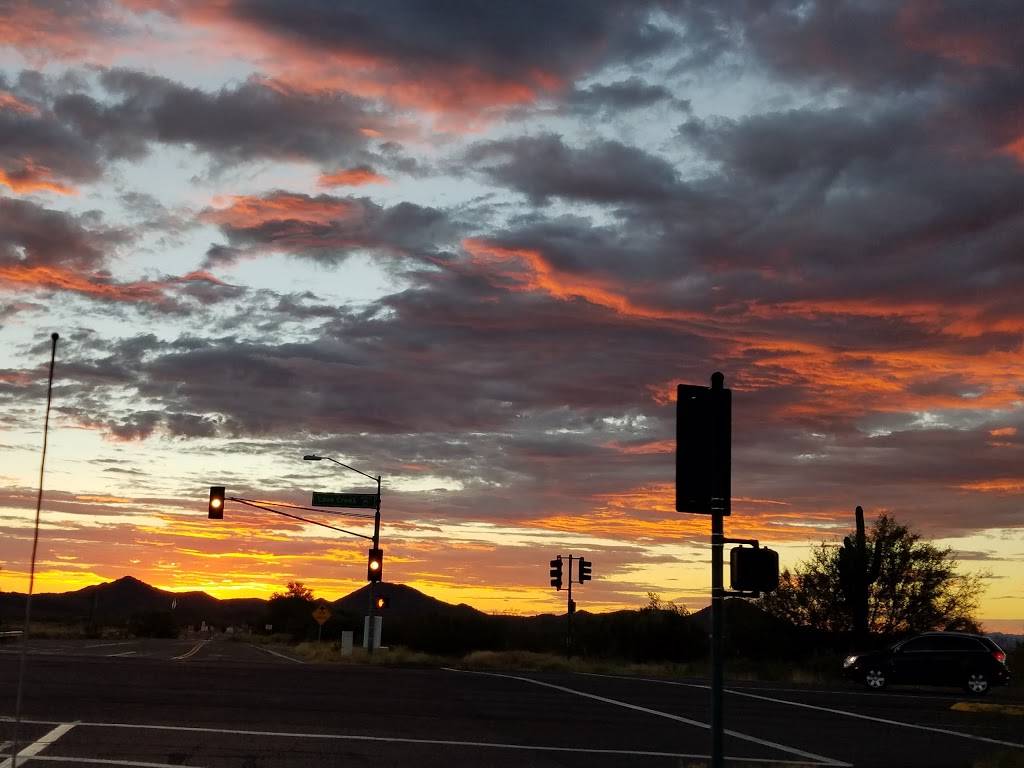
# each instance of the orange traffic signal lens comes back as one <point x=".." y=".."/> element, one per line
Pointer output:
<point x="215" y="503"/>
<point x="374" y="565"/>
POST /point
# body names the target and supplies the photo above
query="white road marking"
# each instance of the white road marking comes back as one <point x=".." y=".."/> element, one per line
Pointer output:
<point x="190" y="653"/>
<point x="872" y="694"/>
<point x="111" y="645"/>
<point x="37" y="746"/>
<point x="122" y="653"/>
<point x="817" y="759"/>
<point x="5" y="745"/>
<point x="103" y="761"/>
<point x="279" y="655"/>
<point x="404" y="740"/>
<point x="831" y="710"/>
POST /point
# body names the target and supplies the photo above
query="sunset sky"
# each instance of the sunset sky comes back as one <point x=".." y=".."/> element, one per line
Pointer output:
<point x="473" y="247"/>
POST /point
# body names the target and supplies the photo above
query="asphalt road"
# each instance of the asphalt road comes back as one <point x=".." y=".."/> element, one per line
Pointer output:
<point x="223" y="703"/>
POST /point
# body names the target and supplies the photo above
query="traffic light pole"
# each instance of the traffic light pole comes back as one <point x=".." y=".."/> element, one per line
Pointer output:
<point x="373" y="584"/>
<point x="569" y="612"/>
<point x="717" y="604"/>
<point x="719" y="505"/>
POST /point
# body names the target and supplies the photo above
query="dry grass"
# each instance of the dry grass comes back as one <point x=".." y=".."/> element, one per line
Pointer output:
<point x="526" y="661"/>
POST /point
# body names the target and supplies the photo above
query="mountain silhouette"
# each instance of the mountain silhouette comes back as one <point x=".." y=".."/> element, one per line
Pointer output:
<point x="118" y="602"/>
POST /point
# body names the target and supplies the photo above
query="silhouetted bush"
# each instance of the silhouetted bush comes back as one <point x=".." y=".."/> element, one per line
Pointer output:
<point x="153" y="624"/>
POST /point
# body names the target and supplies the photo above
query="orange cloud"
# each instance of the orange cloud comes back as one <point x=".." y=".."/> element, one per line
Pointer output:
<point x="524" y="269"/>
<point x="1016" y="149"/>
<point x="32" y="177"/>
<point x="12" y="103"/>
<point x="57" y="278"/>
<point x="351" y="177"/>
<point x="1011" y="485"/>
<point x="245" y="211"/>
<point x="1003" y="432"/>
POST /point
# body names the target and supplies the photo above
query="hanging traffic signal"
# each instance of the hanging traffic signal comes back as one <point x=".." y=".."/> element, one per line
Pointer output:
<point x="585" y="566"/>
<point x="572" y="607"/>
<point x="216" y="510"/>
<point x="754" y="569"/>
<point x="556" y="572"/>
<point x="382" y="602"/>
<point x="375" y="565"/>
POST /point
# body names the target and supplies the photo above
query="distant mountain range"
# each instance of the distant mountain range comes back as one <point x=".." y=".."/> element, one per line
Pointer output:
<point x="119" y="601"/>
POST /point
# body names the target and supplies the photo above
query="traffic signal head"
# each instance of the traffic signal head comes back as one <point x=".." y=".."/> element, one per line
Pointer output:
<point x="375" y="565"/>
<point x="216" y="510"/>
<point x="754" y="569"/>
<point x="703" y="449"/>
<point x="382" y="602"/>
<point x="585" y="566"/>
<point x="556" y="572"/>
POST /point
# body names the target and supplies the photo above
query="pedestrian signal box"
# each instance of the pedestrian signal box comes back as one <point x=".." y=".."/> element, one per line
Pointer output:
<point x="754" y="569"/>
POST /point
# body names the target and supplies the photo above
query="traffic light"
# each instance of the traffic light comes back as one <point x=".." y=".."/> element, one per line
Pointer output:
<point x="585" y="566"/>
<point x="556" y="572"/>
<point x="703" y="449"/>
<point x="375" y="565"/>
<point x="216" y="511"/>
<point x="754" y="569"/>
<point x="572" y="606"/>
<point x="382" y="602"/>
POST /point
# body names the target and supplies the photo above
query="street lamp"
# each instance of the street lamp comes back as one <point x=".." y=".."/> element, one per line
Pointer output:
<point x="376" y="542"/>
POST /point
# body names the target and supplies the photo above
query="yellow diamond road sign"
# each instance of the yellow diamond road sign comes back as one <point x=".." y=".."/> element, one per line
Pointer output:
<point x="321" y="614"/>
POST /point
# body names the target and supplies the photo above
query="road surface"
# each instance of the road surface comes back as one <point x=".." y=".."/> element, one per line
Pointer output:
<point x="226" y="703"/>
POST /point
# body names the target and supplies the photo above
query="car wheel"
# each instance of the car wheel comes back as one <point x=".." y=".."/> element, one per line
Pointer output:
<point x="977" y="683"/>
<point x="874" y="679"/>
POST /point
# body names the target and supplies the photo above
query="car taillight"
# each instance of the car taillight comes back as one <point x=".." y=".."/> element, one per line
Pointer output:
<point x="999" y="656"/>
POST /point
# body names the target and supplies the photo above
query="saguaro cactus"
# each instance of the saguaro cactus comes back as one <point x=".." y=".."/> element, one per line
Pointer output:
<point x="858" y="570"/>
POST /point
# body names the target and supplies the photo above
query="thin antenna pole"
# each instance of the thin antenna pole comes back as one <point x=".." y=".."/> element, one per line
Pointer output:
<point x="32" y="567"/>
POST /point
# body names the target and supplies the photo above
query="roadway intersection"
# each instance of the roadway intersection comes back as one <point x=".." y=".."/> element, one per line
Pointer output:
<point x="227" y="703"/>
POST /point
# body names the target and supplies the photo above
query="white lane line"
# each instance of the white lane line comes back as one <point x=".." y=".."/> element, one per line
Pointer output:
<point x="190" y="653"/>
<point x="872" y="694"/>
<point x="111" y="645"/>
<point x="433" y="742"/>
<point x="279" y="655"/>
<point x="831" y="710"/>
<point x="122" y="653"/>
<point x="4" y="746"/>
<point x="817" y="759"/>
<point x="37" y="746"/>
<point x="104" y="761"/>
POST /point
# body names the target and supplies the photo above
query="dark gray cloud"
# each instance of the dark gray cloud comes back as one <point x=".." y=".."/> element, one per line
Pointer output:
<point x="621" y="96"/>
<point x="252" y="120"/>
<point x="510" y="43"/>
<point x="324" y="227"/>
<point x="33" y="237"/>
<point x="602" y="172"/>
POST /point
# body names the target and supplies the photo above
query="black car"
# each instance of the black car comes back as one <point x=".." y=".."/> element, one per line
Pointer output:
<point x="934" y="658"/>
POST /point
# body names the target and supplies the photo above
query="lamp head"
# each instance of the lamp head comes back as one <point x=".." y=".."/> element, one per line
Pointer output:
<point x="312" y="457"/>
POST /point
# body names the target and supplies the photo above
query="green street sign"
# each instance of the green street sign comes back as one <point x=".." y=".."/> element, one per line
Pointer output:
<point x="358" y="500"/>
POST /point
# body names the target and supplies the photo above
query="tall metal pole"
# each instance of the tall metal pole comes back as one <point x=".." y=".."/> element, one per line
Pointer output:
<point x="717" y="534"/>
<point x="718" y="506"/>
<point x="32" y="567"/>
<point x="568" y="634"/>
<point x="370" y="633"/>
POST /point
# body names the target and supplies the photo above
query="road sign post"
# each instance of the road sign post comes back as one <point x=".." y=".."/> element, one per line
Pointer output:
<point x="321" y="614"/>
